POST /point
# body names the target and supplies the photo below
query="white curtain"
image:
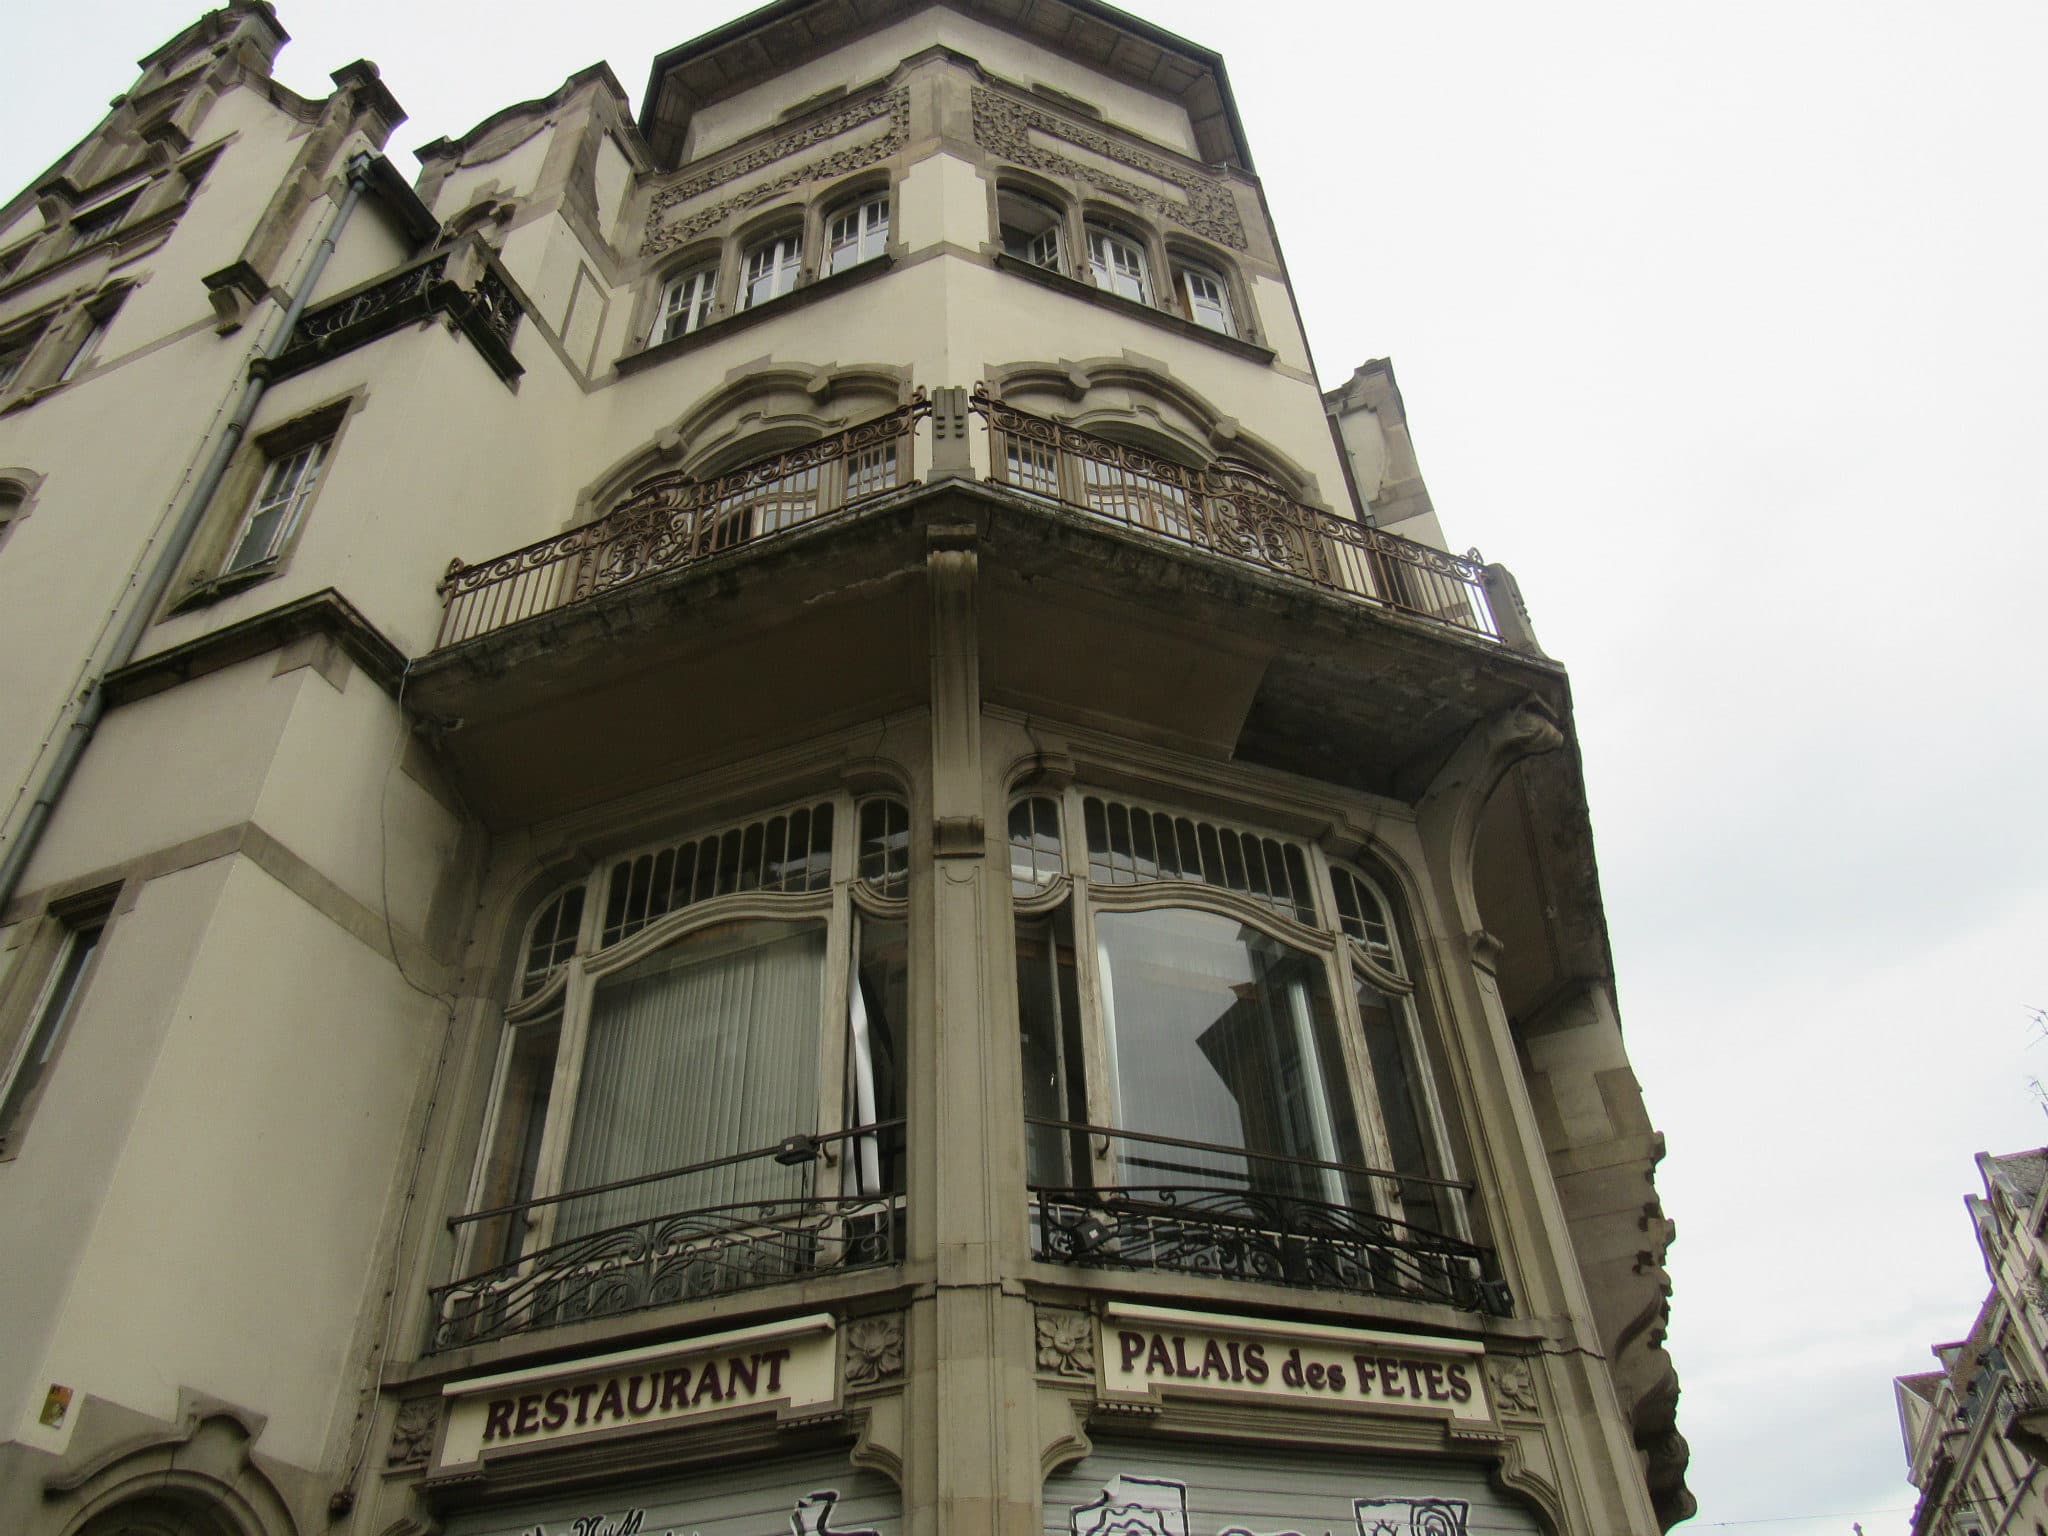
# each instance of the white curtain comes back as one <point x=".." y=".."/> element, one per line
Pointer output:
<point x="704" y="1049"/>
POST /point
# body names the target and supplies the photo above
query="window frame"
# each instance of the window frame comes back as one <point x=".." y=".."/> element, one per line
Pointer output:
<point x="1012" y="198"/>
<point x="785" y="240"/>
<point x="698" y="310"/>
<point x="866" y="233"/>
<point x="1345" y="961"/>
<point x="27" y="1021"/>
<point x="307" y="462"/>
<point x="1118" y="238"/>
<point x="565" y="995"/>
<point x="1189" y="270"/>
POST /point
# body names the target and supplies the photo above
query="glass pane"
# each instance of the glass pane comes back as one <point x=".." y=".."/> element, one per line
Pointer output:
<point x="878" y="1012"/>
<point x="1218" y="1033"/>
<point x="52" y="1018"/>
<point x="1400" y="1102"/>
<point x="514" y="1155"/>
<point x="1049" y="1028"/>
<point x="703" y="1049"/>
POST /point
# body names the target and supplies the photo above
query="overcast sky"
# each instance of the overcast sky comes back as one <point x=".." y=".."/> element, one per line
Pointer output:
<point x="1726" y="327"/>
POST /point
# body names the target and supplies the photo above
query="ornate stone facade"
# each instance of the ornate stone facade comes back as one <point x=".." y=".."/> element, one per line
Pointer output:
<point x="1004" y="126"/>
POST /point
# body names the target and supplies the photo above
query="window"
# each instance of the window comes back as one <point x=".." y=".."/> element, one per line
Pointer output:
<point x="289" y="480"/>
<point x="677" y="1027"/>
<point x="14" y="354"/>
<point x="770" y="268"/>
<point x="856" y="233"/>
<point x="1205" y="299"/>
<point x="49" y="1022"/>
<point x="87" y="344"/>
<point x="1252" y="1051"/>
<point x="91" y="225"/>
<point x="13" y="502"/>
<point x="685" y="303"/>
<point x="1030" y="231"/>
<point x="1117" y="263"/>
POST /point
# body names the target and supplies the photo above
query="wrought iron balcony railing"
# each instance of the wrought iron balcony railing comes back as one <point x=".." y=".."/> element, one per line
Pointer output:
<point x="1257" y="1223"/>
<point x="1232" y="510"/>
<point x="672" y="521"/>
<point x="1235" y="511"/>
<point x="485" y="311"/>
<point x="674" y="1256"/>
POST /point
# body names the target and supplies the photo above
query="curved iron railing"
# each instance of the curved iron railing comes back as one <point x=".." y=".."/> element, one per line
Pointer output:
<point x="1260" y="1229"/>
<point x="674" y="1256"/>
<point x="1235" y="511"/>
<point x="674" y="520"/>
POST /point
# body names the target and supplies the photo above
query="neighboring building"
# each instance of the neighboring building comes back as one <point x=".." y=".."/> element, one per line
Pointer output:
<point x="955" y="917"/>
<point x="1977" y="1429"/>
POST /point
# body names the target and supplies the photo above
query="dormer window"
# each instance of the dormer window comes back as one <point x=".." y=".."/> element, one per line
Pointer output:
<point x="856" y="233"/>
<point x="686" y="303"/>
<point x="1030" y="231"/>
<point x="1117" y="263"/>
<point x="771" y="267"/>
<point x="1205" y="298"/>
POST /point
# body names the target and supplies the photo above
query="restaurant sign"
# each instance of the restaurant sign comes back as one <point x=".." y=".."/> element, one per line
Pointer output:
<point x="790" y="1368"/>
<point x="1146" y="1351"/>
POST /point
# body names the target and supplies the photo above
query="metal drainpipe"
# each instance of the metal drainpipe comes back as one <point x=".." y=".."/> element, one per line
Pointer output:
<point x="144" y="602"/>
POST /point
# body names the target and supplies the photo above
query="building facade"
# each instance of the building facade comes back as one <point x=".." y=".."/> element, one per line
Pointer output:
<point x="1976" y="1428"/>
<point x="749" y="817"/>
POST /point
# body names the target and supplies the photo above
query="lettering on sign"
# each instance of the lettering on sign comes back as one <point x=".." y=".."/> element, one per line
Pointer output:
<point x="1149" y="1349"/>
<point x="811" y="1516"/>
<point x="785" y="1368"/>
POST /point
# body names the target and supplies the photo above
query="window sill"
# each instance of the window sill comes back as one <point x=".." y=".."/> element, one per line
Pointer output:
<point x="812" y="292"/>
<point x="1165" y="319"/>
<point x="208" y="590"/>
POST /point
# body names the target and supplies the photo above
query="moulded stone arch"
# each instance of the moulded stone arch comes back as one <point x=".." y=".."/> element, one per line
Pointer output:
<point x="756" y="410"/>
<point x="200" y="1479"/>
<point x="1136" y="398"/>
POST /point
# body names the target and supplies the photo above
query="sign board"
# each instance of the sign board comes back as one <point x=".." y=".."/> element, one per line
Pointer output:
<point x="789" y="1368"/>
<point x="1145" y="1351"/>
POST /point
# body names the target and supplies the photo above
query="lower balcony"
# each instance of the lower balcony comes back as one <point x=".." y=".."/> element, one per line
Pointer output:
<point x="1288" y="1221"/>
<point x="658" y="1260"/>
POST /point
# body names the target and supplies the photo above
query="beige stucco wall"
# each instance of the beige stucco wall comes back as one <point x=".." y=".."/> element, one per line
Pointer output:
<point x="232" y="1251"/>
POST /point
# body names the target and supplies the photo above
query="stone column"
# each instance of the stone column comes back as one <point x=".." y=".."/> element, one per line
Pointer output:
<point x="974" y="1375"/>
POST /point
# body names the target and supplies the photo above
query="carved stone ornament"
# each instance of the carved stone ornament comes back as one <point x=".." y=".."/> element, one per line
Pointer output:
<point x="412" y="1437"/>
<point x="874" y="1349"/>
<point x="1514" y="1384"/>
<point x="1066" y="1343"/>
<point x="1004" y="126"/>
<point x="893" y="105"/>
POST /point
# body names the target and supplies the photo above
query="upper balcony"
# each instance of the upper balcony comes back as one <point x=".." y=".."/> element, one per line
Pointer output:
<point x="1202" y="608"/>
<point x="1231" y="511"/>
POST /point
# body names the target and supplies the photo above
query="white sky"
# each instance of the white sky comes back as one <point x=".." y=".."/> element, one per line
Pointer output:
<point x="1723" y="326"/>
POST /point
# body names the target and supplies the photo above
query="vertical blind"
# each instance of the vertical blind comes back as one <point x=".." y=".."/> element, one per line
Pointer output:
<point x="706" y="1048"/>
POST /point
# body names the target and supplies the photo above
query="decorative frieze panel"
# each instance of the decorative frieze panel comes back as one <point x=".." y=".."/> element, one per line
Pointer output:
<point x="1004" y="126"/>
<point x="893" y="107"/>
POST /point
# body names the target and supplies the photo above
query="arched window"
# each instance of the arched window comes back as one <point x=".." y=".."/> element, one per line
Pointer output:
<point x="686" y="302"/>
<point x="682" y="1066"/>
<point x="1116" y="261"/>
<point x="856" y="232"/>
<point x="1030" y="229"/>
<point x="1223" y="1066"/>
<point x="1204" y="297"/>
<point x="770" y="267"/>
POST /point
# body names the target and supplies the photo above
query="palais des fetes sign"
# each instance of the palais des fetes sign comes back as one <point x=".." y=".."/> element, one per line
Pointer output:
<point x="1145" y="1351"/>
<point x="791" y="1368"/>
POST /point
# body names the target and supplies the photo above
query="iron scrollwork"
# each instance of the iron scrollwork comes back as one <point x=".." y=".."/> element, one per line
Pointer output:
<point x="667" y="1259"/>
<point x="1237" y="1234"/>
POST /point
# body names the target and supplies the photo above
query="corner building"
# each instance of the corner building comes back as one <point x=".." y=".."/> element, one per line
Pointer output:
<point x="749" y="818"/>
